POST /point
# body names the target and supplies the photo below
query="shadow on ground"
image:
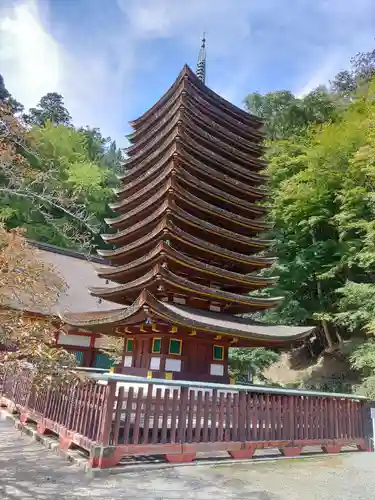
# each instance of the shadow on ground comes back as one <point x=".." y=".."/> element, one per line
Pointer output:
<point x="29" y="471"/>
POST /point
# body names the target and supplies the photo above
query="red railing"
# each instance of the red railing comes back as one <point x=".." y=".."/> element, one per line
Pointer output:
<point x="178" y="422"/>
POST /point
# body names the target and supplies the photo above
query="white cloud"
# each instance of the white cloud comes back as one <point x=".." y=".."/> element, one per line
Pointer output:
<point x="245" y="39"/>
<point x="34" y="63"/>
<point x="31" y="60"/>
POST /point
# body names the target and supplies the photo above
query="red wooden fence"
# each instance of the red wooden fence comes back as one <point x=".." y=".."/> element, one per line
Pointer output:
<point x="180" y="422"/>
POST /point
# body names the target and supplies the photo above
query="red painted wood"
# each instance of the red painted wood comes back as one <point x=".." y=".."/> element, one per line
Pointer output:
<point x="175" y="405"/>
<point x="213" y="416"/>
<point x="206" y="415"/>
<point x="157" y="408"/>
<point x="85" y="414"/>
<point x="137" y="419"/>
<point x="181" y="427"/>
<point x="128" y="414"/>
<point x="191" y="415"/>
<point x="178" y="459"/>
<point x="228" y="417"/>
<point x="148" y="410"/>
<point x="235" y="417"/>
<point x="199" y="417"/>
<point x="221" y="417"/>
<point x="242" y="417"/>
<point x="87" y="410"/>
<point x="242" y="454"/>
<point x="117" y="422"/>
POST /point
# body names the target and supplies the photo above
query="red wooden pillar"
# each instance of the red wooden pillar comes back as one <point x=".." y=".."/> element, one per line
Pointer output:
<point x="107" y="415"/>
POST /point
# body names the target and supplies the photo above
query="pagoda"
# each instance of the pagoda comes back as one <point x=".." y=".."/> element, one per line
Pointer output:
<point x="187" y="239"/>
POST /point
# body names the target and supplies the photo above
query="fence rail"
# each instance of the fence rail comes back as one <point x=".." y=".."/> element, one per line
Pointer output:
<point x="178" y="421"/>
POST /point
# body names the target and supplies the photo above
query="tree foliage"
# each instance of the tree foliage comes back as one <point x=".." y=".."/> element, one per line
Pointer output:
<point x="49" y="109"/>
<point x="285" y="114"/>
<point x="28" y="286"/>
<point x="321" y="155"/>
<point x="247" y="364"/>
<point x="55" y="180"/>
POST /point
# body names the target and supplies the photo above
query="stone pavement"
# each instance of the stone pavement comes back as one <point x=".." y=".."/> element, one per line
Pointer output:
<point x="30" y="471"/>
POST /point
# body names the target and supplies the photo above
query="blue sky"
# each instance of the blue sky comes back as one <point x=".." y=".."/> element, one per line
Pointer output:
<point x="112" y="59"/>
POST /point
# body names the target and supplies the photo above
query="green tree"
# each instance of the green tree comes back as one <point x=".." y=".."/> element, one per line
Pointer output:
<point x="7" y="99"/>
<point x="286" y="115"/>
<point x="48" y="185"/>
<point x="246" y="364"/>
<point x="49" y="109"/>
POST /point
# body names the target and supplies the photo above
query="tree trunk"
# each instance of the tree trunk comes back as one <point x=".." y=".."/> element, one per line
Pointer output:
<point x="319" y="290"/>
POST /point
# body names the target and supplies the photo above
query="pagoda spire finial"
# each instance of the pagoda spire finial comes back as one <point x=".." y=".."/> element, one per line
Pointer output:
<point x="201" y="64"/>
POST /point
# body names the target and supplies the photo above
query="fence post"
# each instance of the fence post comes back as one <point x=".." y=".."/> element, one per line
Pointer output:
<point x="107" y="414"/>
<point x="368" y="412"/>
<point x="181" y="432"/>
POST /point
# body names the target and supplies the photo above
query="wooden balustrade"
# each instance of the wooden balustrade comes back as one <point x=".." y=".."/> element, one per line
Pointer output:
<point x="179" y="422"/>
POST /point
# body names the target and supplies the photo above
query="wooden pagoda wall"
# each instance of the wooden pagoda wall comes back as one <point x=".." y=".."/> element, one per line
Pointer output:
<point x="178" y="422"/>
<point x="199" y="359"/>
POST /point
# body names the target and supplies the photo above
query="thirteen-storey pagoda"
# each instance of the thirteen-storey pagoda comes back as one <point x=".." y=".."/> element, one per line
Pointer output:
<point x="186" y="237"/>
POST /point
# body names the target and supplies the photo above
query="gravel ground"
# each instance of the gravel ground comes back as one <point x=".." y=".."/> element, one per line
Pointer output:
<point x="29" y="471"/>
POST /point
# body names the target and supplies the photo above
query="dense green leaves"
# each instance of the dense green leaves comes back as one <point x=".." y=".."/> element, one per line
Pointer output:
<point x="50" y="108"/>
<point x="61" y="195"/>
<point x="321" y="159"/>
<point x="286" y="115"/>
<point x="247" y="364"/>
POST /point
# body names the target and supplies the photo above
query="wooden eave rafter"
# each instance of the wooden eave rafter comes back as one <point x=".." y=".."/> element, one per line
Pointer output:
<point x="173" y="189"/>
<point x="124" y="293"/>
<point x="181" y="110"/>
<point x="148" y="162"/>
<point x="224" y="254"/>
<point x="223" y="237"/>
<point x="161" y="120"/>
<point x="248" y="133"/>
<point x="210" y="95"/>
<point x="141" y="246"/>
<point x="152" y="112"/>
<point x="142" y="194"/>
<point x="150" y="204"/>
<point x="166" y="253"/>
<point x="129" y="187"/>
<point x="243" y="161"/>
<point x="174" y="213"/>
<point x="164" y="130"/>
<point x="248" y="145"/>
<point x="225" y="165"/>
<point x="138" y="230"/>
<point x="146" y="307"/>
<point x="182" y="173"/>
<point x="253" y="226"/>
<point x="218" y="179"/>
<point x="187" y="90"/>
<point x="166" y="230"/>
<point x="195" y="166"/>
<point x="239" y="206"/>
<point x="245" y="118"/>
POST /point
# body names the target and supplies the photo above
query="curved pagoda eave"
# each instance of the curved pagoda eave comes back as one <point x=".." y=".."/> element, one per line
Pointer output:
<point x="172" y="284"/>
<point x="146" y="306"/>
<point x="249" y="145"/>
<point x="175" y="215"/>
<point x="224" y="104"/>
<point x="177" y="237"/>
<point x="165" y="253"/>
<point x="168" y="127"/>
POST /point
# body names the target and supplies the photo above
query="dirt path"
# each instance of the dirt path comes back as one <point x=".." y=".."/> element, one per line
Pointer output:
<point x="29" y="471"/>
